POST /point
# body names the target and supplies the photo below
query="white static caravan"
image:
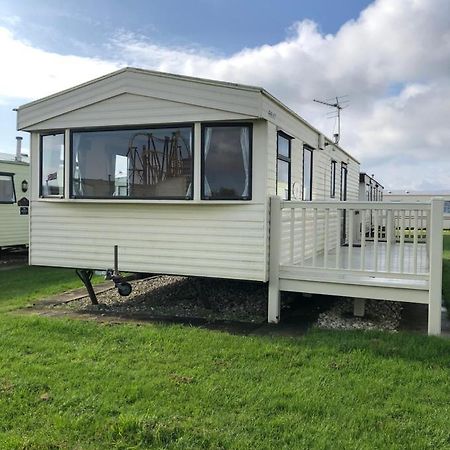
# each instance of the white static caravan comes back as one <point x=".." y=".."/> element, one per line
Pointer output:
<point x="195" y="177"/>
<point x="421" y="196"/>
<point x="14" y="200"/>
<point x="369" y="188"/>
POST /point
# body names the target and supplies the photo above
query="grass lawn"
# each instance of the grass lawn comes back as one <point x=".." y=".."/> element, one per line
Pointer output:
<point x="76" y="384"/>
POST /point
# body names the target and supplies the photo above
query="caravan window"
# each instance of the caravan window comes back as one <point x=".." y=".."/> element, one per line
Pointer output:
<point x="307" y="173"/>
<point x="7" y="193"/>
<point x="447" y="207"/>
<point x="226" y="162"/>
<point x="344" y="173"/>
<point x="52" y="165"/>
<point x="284" y="166"/>
<point x="141" y="163"/>
<point x="333" y="180"/>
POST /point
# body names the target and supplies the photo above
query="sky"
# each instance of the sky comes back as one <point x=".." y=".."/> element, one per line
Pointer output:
<point x="390" y="57"/>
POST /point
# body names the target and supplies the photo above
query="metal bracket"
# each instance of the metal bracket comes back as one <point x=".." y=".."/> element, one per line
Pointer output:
<point x="85" y="275"/>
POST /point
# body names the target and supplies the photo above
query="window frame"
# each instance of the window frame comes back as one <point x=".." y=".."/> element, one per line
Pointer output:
<point x="287" y="159"/>
<point x="124" y="128"/>
<point x="41" y="149"/>
<point x="333" y="179"/>
<point x="204" y="125"/>
<point x="9" y="174"/>
<point x="311" y="170"/>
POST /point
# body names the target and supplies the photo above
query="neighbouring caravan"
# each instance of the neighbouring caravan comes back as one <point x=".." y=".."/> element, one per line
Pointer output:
<point x="422" y="196"/>
<point x="180" y="175"/>
<point x="370" y="189"/>
<point x="14" y="200"/>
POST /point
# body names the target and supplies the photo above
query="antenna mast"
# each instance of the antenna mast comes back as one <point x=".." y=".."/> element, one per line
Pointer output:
<point x="338" y="104"/>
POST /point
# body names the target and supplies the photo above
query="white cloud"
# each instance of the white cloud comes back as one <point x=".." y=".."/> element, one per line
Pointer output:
<point x="393" y="61"/>
<point x="30" y="73"/>
<point x="10" y="20"/>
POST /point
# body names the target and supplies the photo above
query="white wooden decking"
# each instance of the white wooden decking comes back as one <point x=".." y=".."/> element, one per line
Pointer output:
<point x="415" y="262"/>
<point x="351" y="280"/>
<point x="393" y="270"/>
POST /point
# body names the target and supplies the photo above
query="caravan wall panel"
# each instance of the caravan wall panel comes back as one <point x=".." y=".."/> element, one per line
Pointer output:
<point x="224" y="241"/>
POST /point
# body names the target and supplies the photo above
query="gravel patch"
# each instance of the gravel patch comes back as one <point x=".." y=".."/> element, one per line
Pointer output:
<point x="183" y="297"/>
<point x="379" y="315"/>
<point x="178" y="297"/>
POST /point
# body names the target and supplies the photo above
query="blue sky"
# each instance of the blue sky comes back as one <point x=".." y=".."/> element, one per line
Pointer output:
<point x="223" y="26"/>
<point x="391" y="57"/>
<point x="220" y="27"/>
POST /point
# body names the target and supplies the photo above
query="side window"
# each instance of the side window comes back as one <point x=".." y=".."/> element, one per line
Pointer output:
<point x="344" y="170"/>
<point x="7" y="193"/>
<point x="333" y="180"/>
<point x="227" y="162"/>
<point x="52" y="165"/>
<point x="307" y="173"/>
<point x="447" y="207"/>
<point x="284" y="166"/>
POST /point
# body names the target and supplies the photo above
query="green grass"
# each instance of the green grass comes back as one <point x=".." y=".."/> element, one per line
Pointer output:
<point x="23" y="285"/>
<point x="446" y="271"/>
<point x="68" y="384"/>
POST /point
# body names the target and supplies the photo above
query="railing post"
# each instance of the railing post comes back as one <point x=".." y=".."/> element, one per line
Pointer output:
<point x="273" y="310"/>
<point x="435" y="280"/>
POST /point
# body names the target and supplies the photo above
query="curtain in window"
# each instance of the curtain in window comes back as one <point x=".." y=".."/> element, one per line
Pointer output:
<point x="206" y="186"/>
<point x="245" y="148"/>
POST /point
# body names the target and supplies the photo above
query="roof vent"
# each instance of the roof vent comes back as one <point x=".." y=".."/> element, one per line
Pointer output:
<point x="18" y="148"/>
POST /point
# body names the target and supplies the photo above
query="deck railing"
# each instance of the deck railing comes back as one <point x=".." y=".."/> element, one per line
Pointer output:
<point x="329" y="241"/>
<point x="374" y="238"/>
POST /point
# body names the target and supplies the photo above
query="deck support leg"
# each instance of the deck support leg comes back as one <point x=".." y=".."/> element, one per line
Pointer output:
<point x="434" y="316"/>
<point x="435" y="282"/>
<point x="273" y="308"/>
<point x="359" y="307"/>
<point x="85" y="276"/>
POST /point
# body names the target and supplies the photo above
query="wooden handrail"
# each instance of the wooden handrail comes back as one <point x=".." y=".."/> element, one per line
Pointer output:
<point x="286" y="204"/>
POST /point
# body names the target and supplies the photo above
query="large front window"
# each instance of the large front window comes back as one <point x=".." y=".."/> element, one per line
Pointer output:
<point x="226" y="162"/>
<point x="7" y="194"/>
<point x="147" y="163"/>
<point x="52" y="165"/>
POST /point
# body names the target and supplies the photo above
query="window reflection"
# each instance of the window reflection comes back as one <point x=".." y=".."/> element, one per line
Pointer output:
<point x="52" y="165"/>
<point x="283" y="179"/>
<point x="138" y="163"/>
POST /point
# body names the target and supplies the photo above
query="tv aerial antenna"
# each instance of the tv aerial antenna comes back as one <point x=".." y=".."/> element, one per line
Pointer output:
<point x="339" y="103"/>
